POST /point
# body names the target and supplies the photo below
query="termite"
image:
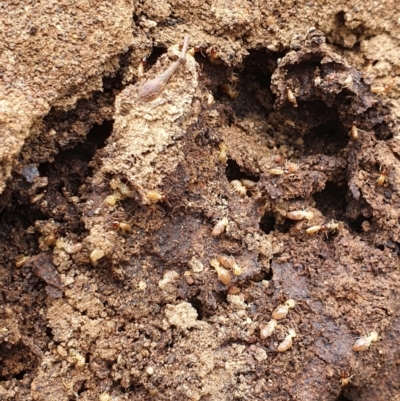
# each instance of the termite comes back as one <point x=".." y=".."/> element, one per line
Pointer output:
<point x="287" y="342"/>
<point x="248" y="183"/>
<point x="314" y="229"/>
<point x="276" y="171"/>
<point x="363" y="343"/>
<point x="228" y="90"/>
<point x="230" y="262"/>
<point x="291" y="167"/>
<point x="383" y="179"/>
<point x="300" y="215"/>
<point x="345" y="378"/>
<point x="291" y="97"/>
<point x="354" y="132"/>
<point x="333" y="225"/>
<point x="220" y="227"/>
<point x="155" y="196"/>
<point x="153" y="88"/>
<point x="281" y="311"/>
<point x="268" y="329"/>
<point x="223" y="274"/>
<point x="239" y="187"/>
<point x="222" y="156"/>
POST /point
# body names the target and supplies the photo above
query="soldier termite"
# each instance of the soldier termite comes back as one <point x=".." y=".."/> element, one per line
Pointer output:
<point x="268" y="329"/>
<point x="291" y="97"/>
<point x="363" y="343"/>
<point x="287" y="342"/>
<point x="281" y="311"/>
<point x="300" y="215"/>
<point x="230" y="262"/>
<point x="345" y="378"/>
<point x="220" y="227"/>
<point x="223" y="274"/>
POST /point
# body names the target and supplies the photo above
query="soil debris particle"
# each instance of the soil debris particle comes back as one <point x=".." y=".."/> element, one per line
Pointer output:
<point x="182" y="315"/>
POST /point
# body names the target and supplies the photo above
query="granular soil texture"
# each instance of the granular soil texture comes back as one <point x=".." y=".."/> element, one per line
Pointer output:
<point x="145" y="255"/>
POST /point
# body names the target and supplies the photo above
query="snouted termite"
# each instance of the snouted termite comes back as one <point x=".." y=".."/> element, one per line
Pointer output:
<point x="281" y="311"/>
<point x="287" y="342"/>
<point x="363" y="343"/>
<point x="220" y="227"/>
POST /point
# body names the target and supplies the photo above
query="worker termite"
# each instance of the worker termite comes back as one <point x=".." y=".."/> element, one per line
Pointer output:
<point x="281" y="311"/>
<point x="155" y="196"/>
<point x="123" y="226"/>
<point x="383" y="179"/>
<point x="314" y="229"/>
<point x="112" y="199"/>
<point x="354" y="132"/>
<point x="69" y="246"/>
<point x="223" y="274"/>
<point x="230" y="262"/>
<point x="300" y="215"/>
<point x="239" y="187"/>
<point x="291" y="168"/>
<point x="287" y="342"/>
<point x="345" y="378"/>
<point x="36" y="198"/>
<point x="379" y="90"/>
<point x="276" y="171"/>
<point x="363" y="343"/>
<point x="222" y="156"/>
<point x="268" y="329"/>
<point x="333" y="225"/>
<point x="21" y="260"/>
<point x="228" y="90"/>
<point x="291" y="97"/>
<point x="220" y="227"/>
<point x="248" y="183"/>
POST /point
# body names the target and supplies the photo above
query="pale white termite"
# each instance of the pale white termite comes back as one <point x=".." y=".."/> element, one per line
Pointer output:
<point x="300" y="215"/>
<point x="230" y="262"/>
<point x="287" y="342"/>
<point x="268" y="329"/>
<point x="281" y="311"/>
<point x="363" y="343"/>
<point x="220" y="227"/>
